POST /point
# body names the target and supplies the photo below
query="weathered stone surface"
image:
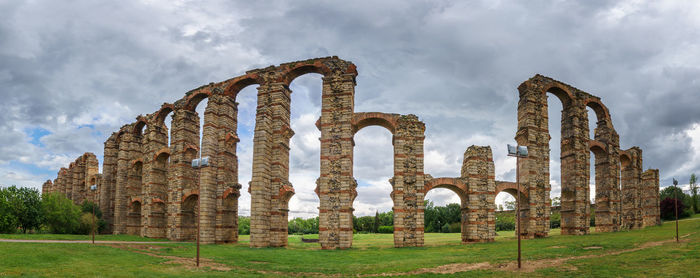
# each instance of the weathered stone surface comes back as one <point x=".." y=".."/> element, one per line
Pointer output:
<point x="149" y="188"/>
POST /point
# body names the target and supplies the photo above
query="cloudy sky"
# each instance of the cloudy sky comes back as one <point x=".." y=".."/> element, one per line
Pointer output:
<point x="72" y="72"/>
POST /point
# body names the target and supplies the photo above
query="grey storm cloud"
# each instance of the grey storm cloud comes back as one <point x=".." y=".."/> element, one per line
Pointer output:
<point x="81" y="69"/>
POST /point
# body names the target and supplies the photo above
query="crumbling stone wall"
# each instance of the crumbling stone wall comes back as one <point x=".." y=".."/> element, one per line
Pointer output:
<point x="75" y="181"/>
<point x="479" y="173"/>
<point x="631" y="189"/>
<point x="651" y="214"/>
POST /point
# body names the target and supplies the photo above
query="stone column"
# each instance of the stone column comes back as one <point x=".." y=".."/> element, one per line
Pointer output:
<point x="575" y="171"/>
<point x="479" y="173"/>
<point x="227" y="187"/>
<point x="650" y="198"/>
<point x="107" y="190"/>
<point x="336" y="186"/>
<point x="91" y="176"/>
<point x="182" y="178"/>
<point x="260" y="188"/>
<point x="631" y="195"/>
<point x="155" y="183"/>
<point x="408" y="182"/>
<point x="534" y="170"/>
<point x="607" y="163"/>
<point x="120" y="192"/>
<point x="281" y="188"/>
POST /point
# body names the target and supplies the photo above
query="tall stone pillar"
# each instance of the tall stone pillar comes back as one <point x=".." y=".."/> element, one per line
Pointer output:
<point x="281" y="188"/>
<point x="607" y="167"/>
<point x="408" y="182"/>
<point x="183" y="179"/>
<point x="46" y="187"/>
<point x="107" y="190"/>
<point x="336" y="186"/>
<point x="650" y="198"/>
<point x="631" y="193"/>
<point x="227" y="186"/>
<point x="479" y="173"/>
<point x="128" y="178"/>
<point x="155" y="183"/>
<point x="575" y="174"/>
<point x="534" y="170"/>
<point x="260" y="187"/>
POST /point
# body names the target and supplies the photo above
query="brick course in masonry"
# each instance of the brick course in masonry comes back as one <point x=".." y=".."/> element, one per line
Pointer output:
<point x="149" y="188"/>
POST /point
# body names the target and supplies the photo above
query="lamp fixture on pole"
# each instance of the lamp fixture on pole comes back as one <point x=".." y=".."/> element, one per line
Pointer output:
<point x="517" y="152"/>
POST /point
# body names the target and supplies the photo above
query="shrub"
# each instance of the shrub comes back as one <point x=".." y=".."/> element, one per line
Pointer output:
<point x="668" y="209"/>
<point x="86" y="224"/>
<point x="61" y="215"/>
<point x="555" y="220"/>
<point x="243" y="225"/>
<point x="456" y="227"/>
<point x="386" y="229"/>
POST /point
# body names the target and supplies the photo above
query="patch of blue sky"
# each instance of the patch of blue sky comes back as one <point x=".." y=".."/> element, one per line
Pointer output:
<point x="30" y="168"/>
<point x="35" y="134"/>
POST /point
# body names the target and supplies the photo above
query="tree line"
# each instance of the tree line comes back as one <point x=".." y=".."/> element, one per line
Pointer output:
<point x="24" y="210"/>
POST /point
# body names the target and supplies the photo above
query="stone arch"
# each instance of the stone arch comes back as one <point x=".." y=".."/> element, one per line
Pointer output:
<point x="133" y="225"/>
<point x="512" y="189"/>
<point x="189" y="216"/>
<point x="601" y="111"/>
<point x="140" y="123"/>
<point x="459" y="187"/>
<point x="364" y="119"/>
<point x="324" y="66"/>
<point x="235" y="85"/>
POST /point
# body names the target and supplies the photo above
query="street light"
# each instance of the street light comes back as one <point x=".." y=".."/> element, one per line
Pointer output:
<point x="93" y="188"/>
<point x="196" y="164"/>
<point x="517" y="152"/>
<point x="675" y="193"/>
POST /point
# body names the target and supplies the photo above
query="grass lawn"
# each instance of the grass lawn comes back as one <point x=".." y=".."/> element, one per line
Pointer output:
<point x="640" y="253"/>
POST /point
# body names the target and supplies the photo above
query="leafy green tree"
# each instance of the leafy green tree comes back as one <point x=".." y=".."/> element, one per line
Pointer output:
<point x="61" y="215"/>
<point x="243" y="225"/>
<point x="8" y="219"/>
<point x="25" y="205"/>
<point x="376" y="222"/>
<point x="87" y="207"/>
<point x="694" y="193"/>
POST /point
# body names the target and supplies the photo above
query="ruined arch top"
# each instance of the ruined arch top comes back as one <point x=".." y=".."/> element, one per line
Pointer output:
<point x="365" y="119"/>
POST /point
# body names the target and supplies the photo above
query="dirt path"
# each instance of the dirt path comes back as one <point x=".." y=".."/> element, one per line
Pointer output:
<point x="83" y="241"/>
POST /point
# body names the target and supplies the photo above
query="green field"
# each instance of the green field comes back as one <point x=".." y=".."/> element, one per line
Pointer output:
<point x="641" y="253"/>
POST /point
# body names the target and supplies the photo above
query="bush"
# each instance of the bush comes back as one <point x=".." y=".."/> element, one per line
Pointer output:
<point x="555" y="220"/>
<point x="86" y="224"/>
<point x="668" y="209"/>
<point x="505" y="221"/>
<point x="386" y="229"/>
<point x="60" y="214"/>
<point x="455" y="227"/>
<point x="243" y="225"/>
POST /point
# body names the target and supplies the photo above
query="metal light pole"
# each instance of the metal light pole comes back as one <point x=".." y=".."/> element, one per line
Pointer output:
<point x="517" y="152"/>
<point x="675" y="193"/>
<point x="196" y="164"/>
<point x="93" y="188"/>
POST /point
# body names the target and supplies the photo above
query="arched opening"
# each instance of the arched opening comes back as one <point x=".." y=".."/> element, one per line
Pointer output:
<point x="593" y="160"/>
<point x="373" y="169"/>
<point x="301" y="203"/>
<point x="506" y="208"/>
<point x="159" y="187"/>
<point x="444" y="216"/>
<point x="133" y="224"/>
<point x="555" y="110"/>
<point x="189" y="217"/>
<point x="237" y="208"/>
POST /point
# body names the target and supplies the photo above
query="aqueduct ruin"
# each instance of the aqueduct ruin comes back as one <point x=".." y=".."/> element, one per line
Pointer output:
<point x="147" y="186"/>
